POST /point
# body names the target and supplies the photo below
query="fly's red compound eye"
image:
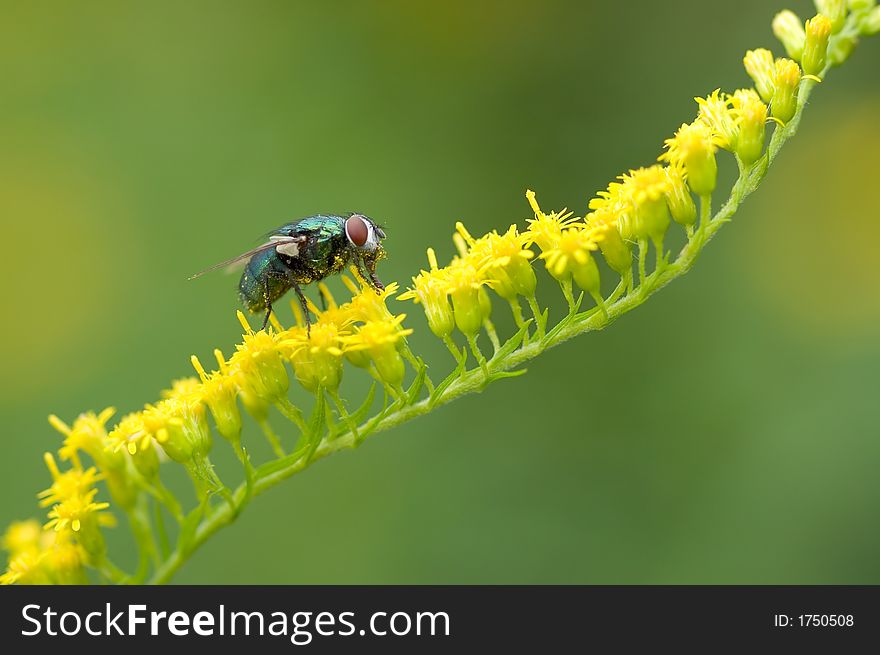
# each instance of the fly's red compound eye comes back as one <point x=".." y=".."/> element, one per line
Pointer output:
<point x="356" y="229"/>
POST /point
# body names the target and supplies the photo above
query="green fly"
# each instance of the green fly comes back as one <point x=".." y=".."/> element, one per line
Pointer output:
<point x="305" y="251"/>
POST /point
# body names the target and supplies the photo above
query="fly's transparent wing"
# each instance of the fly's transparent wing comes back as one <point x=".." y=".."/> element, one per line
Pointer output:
<point x="287" y="244"/>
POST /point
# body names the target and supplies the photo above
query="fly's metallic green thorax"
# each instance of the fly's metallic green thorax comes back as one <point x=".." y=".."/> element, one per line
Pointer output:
<point x="306" y="251"/>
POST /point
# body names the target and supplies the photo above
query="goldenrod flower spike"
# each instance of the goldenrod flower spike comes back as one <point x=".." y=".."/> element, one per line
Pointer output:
<point x="639" y="207"/>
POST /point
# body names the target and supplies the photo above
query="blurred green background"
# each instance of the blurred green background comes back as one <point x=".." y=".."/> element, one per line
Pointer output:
<point x="726" y="432"/>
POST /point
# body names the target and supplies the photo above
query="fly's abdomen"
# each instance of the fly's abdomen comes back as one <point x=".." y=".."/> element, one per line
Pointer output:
<point x="265" y="278"/>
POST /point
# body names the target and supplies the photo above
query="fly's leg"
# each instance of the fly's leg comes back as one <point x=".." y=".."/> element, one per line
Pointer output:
<point x="268" y="302"/>
<point x="294" y="283"/>
<point x="305" y="306"/>
<point x="369" y="274"/>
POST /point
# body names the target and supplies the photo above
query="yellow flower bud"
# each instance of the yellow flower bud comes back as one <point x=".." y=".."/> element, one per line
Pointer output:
<point x="751" y="117"/>
<point x="379" y="341"/>
<point x="515" y="278"/>
<point x="467" y="310"/>
<point x="789" y="29"/>
<point x="545" y="229"/>
<point x="74" y="510"/>
<point x="359" y="358"/>
<point x="253" y="404"/>
<point x="503" y="258"/>
<point x="693" y="148"/>
<point x="389" y="365"/>
<point x="259" y="363"/>
<point x="146" y="461"/>
<point x="219" y="392"/>
<point x="571" y="257"/>
<point x="586" y="274"/>
<point x="787" y="78"/>
<point x="464" y="281"/>
<point x="316" y="356"/>
<point x="174" y="443"/>
<point x="439" y="315"/>
<point x="835" y="10"/>
<point x="646" y="190"/>
<point x="679" y="199"/>
<point x="318" y="370"/>
<point x="431" y="291"/>
<point x="89" y="435"/>
<point x="183" y="404"/>
<point x="652" y="220"/>
<point x="615" y="250"/>
<point x="64" y="561"/>
<point x="760" y="67"/>
<point x="717" y="114"/>
<point x="818" y="31"/>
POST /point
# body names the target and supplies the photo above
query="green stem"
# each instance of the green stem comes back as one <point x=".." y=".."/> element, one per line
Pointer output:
<point x="273" y="439"/>
<point x="540" y="326"/>
<point x="643" y="255"/>
<point x="481" y="359"/>
<point x="456" y="353"/>
<point x="161" y="532"/>
<point x="516" y="310"/>
<point x="492" y="334"/>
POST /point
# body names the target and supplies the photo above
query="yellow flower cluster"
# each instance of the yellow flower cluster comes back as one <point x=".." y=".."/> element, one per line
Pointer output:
<point x="362" y="330"/>
<point x="38" y="556"/>
<point x="455" y="296"/>
<point x="127" y="458"/>
<point x="71" y="538"/>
